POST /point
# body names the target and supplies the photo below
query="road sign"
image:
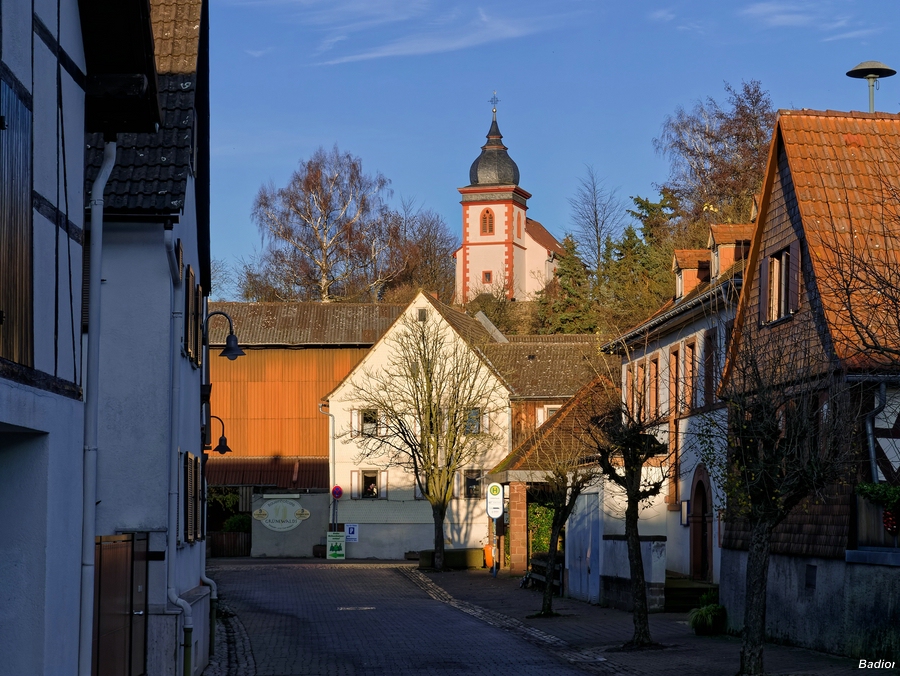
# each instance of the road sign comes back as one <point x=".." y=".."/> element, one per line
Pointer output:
<point x="351" y="531"/>
<point x="337" y="492"/>
<point x="335" y="549"/>
<point x="495" y="501"/>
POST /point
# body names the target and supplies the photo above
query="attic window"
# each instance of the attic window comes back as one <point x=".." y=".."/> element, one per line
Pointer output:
<point x="423" y="314"/>
<point x="679" y="284"/>
<point x="780" y="284"/>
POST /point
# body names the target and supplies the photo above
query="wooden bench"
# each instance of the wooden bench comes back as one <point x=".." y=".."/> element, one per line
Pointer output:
<point x="539" y="571"/>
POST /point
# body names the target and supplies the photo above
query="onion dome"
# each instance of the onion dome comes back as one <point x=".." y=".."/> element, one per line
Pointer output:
<point x="494" y="166"/>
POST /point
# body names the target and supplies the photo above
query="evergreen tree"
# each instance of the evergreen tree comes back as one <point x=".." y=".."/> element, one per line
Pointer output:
<point x="566" y="305"/>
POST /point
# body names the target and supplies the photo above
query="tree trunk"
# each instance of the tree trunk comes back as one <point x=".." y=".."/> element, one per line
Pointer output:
<point x="547" y="604"/>
<point x="438" y="512"/>
<point x="638" y="587"/>
<point x="754" y="634"/>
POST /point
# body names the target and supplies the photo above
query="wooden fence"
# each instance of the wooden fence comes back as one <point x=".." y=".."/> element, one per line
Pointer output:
<point x="227" y="544"/>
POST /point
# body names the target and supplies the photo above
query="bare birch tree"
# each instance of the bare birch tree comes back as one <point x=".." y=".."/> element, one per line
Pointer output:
<point x="435" y="399"/>
<point x="597" y="215"/>
<point x="327" y="233"/>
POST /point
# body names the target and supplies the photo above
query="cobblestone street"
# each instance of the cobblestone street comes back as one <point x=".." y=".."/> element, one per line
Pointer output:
<point x="281" y="618"/>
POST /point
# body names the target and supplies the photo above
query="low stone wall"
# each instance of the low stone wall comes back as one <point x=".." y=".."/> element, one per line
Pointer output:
<point x="615" y="592"/>
<point x="824" y="604"/>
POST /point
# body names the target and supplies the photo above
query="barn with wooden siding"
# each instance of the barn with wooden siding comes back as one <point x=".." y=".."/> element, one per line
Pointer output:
<point x="269" y="399"/>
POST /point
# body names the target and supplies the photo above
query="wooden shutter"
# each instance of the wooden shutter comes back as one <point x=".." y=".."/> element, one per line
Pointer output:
<point x="457" y="478"/>
<point x="764" y="290"/>
<point x="354" y="485"/>
<point x="16" y="213"/>
<point x="198" y="500"/>
<point x="794" y="278"/>
<point x="189" y="523"/>
<point x="197" y="320"/>
<point x="189" y="326"/>
<point x="354" y="423"/>
<point x="485" y="423"/>
<point x="383" y="485"/>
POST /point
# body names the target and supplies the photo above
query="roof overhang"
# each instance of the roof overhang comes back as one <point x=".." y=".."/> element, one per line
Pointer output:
<point x="121" y="93"/>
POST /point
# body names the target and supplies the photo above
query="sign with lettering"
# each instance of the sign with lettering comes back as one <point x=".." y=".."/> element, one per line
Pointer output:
<point x="495" y="501"/>
<point x="335" y="549"/>
<point x="281" y="515"/>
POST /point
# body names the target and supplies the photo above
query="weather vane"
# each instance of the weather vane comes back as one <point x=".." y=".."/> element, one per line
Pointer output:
<point x="494" y="100"/>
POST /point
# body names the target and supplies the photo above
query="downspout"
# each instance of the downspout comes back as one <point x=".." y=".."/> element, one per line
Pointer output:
<point x="213" y="588"/>
<point x="175" y="451"/>
<point x="870" y="429"/>
<point x="332" y="471"/>
<point x="92" y="417"/>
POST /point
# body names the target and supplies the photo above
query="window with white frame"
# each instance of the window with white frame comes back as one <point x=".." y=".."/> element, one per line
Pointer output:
<point x="472" y="483"/>
<point x="368" y="484"/>
<point x="365" y="422"/>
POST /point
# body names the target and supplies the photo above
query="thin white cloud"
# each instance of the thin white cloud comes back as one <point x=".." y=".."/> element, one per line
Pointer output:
<point x="777" y="14"/>
<point x="482" y="29"/>
<point x="662" y="15"/>
<point x="256" y="53"/>
<point x="864" y="32"/>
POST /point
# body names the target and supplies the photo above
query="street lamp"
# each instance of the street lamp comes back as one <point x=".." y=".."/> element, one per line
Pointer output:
<point x="222" y="448"/>
<point x="231" y="351"/>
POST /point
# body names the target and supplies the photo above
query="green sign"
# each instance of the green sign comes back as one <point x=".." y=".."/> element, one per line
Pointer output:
<point x="336" y="547"/>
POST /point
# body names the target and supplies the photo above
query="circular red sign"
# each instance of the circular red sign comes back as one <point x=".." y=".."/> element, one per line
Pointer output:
<point x="337" y="492"/>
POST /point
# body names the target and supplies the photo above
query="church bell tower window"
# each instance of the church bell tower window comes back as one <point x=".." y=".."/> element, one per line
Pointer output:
<point x="487" y="222"/>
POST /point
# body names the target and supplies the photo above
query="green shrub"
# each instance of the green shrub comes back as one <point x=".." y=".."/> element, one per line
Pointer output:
<point x="707" y="620"/>
<point x="883" y="495"/>
<point x="709" y="598"/>
<point x="540" y="522"/>
<point x="237" y="523"/>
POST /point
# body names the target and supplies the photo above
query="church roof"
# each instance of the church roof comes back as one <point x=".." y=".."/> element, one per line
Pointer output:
<point x="494" y="166"/>
<point x="542" y="236"/>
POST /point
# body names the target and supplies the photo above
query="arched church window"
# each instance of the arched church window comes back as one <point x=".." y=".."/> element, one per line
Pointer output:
<point x="487" y="222"/>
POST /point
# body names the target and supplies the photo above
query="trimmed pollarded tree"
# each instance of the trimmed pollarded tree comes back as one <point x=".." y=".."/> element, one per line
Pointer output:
<point x="435" y="398"/>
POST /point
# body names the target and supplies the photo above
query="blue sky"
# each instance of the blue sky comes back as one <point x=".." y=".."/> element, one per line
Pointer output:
<point x="404" y="85"/>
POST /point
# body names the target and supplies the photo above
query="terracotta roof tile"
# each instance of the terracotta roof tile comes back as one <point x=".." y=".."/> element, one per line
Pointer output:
<point x="542" y="236"/>
<point x="277" y="472"/>
<point x="690" y="259"/>
<point x="844" y="167"/>
<point x="730" y="233"/>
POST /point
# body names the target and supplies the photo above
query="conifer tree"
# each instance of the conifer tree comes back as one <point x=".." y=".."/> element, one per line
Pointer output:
<point x="566" y="304"/>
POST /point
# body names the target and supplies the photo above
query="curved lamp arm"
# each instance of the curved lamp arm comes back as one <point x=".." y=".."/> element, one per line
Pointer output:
<point x="231" y="351"/>
<point x="222" y="448"/>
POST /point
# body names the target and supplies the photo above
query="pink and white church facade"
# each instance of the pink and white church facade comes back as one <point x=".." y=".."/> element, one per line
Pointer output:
<point x="502" y="249"/>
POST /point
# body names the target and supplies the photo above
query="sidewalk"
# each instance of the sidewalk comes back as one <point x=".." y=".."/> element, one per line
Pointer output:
<point x="585" y="633"/>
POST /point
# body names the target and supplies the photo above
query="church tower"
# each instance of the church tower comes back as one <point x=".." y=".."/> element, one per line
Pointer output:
<point x="502" y="249"/>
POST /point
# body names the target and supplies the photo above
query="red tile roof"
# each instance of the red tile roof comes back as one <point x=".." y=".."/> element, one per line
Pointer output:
<point x="730" y="233"/>
<point x="844" y="168"/>
<point x="690" y="259"/>
<point x="542" y="236"/>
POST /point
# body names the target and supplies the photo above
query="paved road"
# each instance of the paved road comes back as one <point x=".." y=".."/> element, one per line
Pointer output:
<point x="292" y="619"/>
<point x="309" y="617"/>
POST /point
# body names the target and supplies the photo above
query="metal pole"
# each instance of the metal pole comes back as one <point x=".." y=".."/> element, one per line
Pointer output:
<point x="496" y="562"/>
<point x="871" y="79"/>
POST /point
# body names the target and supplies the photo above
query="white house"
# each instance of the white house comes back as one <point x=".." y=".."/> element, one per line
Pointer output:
<point x="49" y="52"/>
<point x="671" y="365"/>
<point x="154" y="277"/>
<point x="532" y="376"/>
